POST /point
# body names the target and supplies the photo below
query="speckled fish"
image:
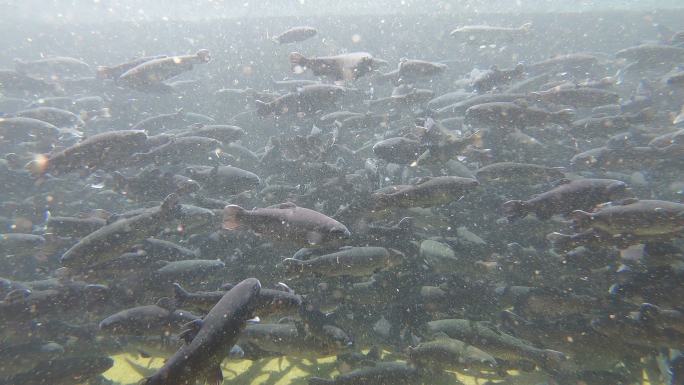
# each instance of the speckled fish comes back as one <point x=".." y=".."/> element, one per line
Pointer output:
<point x="576" y="97"/>
<point x="649" y="218"/>
<point x="286" y="222"/>
<point x="307" y="100"/>
<point x="291" y="340"/>
<point x="485" y="34"/>
<point x="55" y="116"/>
<point x="114" y="72"/>
<point x="349" y="66"/>
<point x="116" y="238"/>
<point x="426" y="192"/>
<point x="209" y="341"/>
<point x="487" y="337"/>
<point x="385" y="373"/>
<point x="152" y="320"/>
<point x="16" y="130"/>
<point x="97" y="151"/>
<point x="51" y="68"/>
<point x="451" y="354"/>
<point x="271" y="301"/>
<point x="566" y="197"/>
<point x="519" y="173"/>
<point x="509" y="115"/>
<point x="153" y="72"/>
<point x="295" y="35"/>
<point x="352" y="261"/>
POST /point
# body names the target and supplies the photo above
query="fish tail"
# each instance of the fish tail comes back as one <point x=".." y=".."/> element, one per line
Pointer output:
<point x="515" y="209"/>
<point x="262" y="108"/>
<point x="104" y="72"/>
<point x="297" y="59"/>
<point x="231" y="217"/>
<point x="526" y="27"/>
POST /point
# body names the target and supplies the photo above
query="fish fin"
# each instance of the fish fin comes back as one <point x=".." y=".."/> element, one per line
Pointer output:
<point x="285" y="205"/>
<point x="17" y="295"/>
<point x="559" y="241"/>
<point x="231" y="214"/>
<point x="515" y="209"/>
<point x="625" y="202"/>
<point x="647" y="312"/>
<point x="421" y="180"/>
<point x="440" y="335"/>
<point x="215" y="376"/>
<point x="406" y="223"/>
<point x="170" y="203"/>
<point x="192" y="328"/>
<point x="282" y="286"/>
<point x="166" y="303"/>
<point x="553" y="359"/>
<point x="561" y="182"/>
<point x="179" y="293"/>
<point x="581" y="218"/>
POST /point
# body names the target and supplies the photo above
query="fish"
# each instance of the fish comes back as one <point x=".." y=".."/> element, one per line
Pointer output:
<point x="567" y="197"/>
<point x="295" y="35"/>
<point x="208" y="341"/>
<point x="485" y="34"/>
<point x="287" y="222"/>
<point x="115" y="238"/>
<point x="353" y="261"/>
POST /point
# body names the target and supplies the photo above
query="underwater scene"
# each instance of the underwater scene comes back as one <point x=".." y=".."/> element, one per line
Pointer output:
<point x="313" y="192"/>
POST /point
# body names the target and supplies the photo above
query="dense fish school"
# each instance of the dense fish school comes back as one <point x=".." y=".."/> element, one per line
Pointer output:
<point x="380" y="201"/>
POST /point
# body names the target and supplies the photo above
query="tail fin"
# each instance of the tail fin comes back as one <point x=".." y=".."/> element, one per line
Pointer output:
<point x="527" y="27"/>
<point x="104" y="72"/>
<point x="292" y="265"/>
<point x="119" y="181"/>
<point x="180" y="295"/>
<point x="231" y="217"/>
<point x="204" y="55"/>
<point x="263" y="108"/>
<point x="515" y="209"/>
<point x="406" y="223"/>
<point x="581" y="219"/>
<point x="297" y="59"/>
